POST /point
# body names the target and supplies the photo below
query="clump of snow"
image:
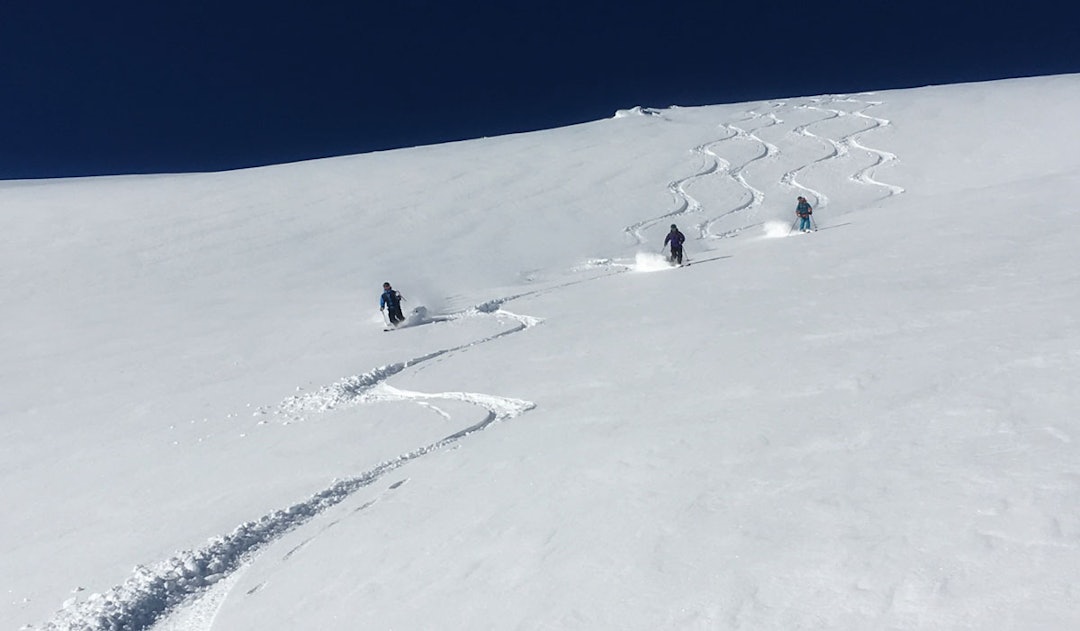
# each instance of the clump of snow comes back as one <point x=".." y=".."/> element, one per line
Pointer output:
<point x="650" y="262"/>
<point x="776" y="229"/>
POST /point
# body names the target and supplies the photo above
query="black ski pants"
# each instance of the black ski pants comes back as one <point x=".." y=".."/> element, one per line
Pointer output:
<point x="394" y="312"/>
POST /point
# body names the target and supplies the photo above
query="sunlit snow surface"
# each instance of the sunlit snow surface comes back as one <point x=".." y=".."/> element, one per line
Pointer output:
<point x="871" y="426"/>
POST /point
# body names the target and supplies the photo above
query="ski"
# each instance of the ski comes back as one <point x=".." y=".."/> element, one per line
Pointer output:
<point x="715" y="258"/>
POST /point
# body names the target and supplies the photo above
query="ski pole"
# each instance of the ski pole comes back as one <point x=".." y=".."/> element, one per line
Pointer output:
<point x="814" y="223"/>
<point x="793" y="225"/>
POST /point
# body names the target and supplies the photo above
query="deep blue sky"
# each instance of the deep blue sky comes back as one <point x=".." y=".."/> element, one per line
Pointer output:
<point x="191" y="85"/>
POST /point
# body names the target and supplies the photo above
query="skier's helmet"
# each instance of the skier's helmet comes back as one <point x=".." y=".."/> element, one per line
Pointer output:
<point x="386" y="285"/>
<point x="674" y="227"/>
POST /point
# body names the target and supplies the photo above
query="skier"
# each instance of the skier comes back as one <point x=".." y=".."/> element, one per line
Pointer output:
<point x="391" y="302"/>
<point x="803" y="211"/>
<point x="675" y="238"/>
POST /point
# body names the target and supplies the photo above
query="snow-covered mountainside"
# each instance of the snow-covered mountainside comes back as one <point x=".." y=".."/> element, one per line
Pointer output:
<point x="869" y="426"/>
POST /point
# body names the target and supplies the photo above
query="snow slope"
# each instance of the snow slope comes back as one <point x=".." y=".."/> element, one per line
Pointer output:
<point x="873" y="426"/>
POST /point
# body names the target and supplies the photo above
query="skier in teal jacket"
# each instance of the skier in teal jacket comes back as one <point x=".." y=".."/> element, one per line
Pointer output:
<point x="803" y="210"/>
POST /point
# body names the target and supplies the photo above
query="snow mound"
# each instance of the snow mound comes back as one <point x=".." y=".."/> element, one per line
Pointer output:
<point x="637" y="110"/>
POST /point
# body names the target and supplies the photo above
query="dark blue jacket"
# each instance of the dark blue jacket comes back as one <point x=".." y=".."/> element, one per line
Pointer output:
<point x="390" y="298"/>
<point x="804" y="209"/>
<point x="676" y="239"/>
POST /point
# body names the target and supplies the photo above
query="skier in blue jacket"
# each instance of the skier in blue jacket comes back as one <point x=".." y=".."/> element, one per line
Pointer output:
<point x="675" y="239"/>
<point x="391" y="302"/>
<point x="803" y="211"/>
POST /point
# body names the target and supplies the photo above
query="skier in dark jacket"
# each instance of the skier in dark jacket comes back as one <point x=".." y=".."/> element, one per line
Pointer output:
<point x="803" y="210"/>
<point x="391" y="302"/>
<point x="675" y="239"/>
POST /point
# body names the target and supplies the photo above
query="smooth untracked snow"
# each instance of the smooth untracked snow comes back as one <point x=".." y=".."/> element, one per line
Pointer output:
<point x="872" y="426"/>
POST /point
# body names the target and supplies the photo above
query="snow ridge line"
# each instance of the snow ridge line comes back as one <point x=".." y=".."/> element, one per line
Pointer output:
<point x="150" y="592"/>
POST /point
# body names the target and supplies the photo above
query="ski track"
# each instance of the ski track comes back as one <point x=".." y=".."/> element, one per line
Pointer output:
<point x="184" y="592"/>
<point x="199" y="612"/>
<point x="353" y="389"/>
<point x="716" y="164"/>
<point x="185" y="578"/>
<point x="836" y="150"/>
<point x="842" y="146"/>
<point x="866" y="175"/>
<point x="738" y="173"/>
<point x="684" y="202"/>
